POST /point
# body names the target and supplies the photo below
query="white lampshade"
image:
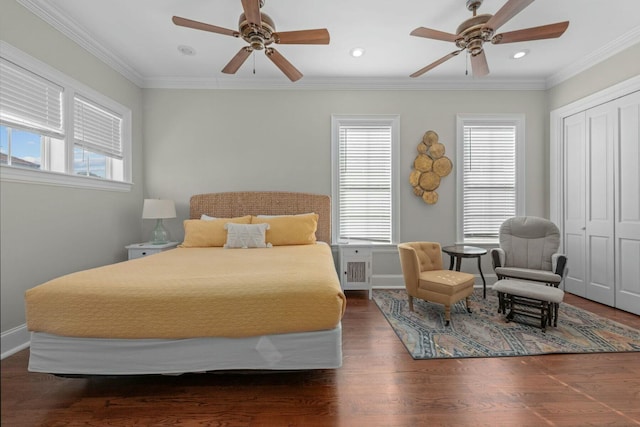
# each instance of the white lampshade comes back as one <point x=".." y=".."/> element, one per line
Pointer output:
<point x="158" y="209"/>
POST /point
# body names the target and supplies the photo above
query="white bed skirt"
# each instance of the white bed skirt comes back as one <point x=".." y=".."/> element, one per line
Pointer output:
<point x="93" y="356"/>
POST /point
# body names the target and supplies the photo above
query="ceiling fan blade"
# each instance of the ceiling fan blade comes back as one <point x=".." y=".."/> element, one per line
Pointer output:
<point x="436" y="63"/>
<point x="252" y="11"/>
<point x="237" y="60"/>
<point x="285" y="66"/>
<point x="434" y="34"/>
<point x="550" y="31"/>
<point x="319" y="36"/>
<point x="479" y="64"/>
<point x="506" y="12"/>
<point x="184" y="22"/>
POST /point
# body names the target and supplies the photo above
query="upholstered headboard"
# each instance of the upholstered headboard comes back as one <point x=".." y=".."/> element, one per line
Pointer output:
<point x="240" y="203"/>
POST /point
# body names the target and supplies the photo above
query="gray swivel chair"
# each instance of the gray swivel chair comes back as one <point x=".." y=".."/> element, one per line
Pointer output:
<point x="529" y="251"/>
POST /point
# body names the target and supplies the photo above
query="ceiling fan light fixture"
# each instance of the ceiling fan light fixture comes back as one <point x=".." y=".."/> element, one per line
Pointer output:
<point x="520" y="54"/>
<point x="474" y="32"/>
<point x="357" y="52"/>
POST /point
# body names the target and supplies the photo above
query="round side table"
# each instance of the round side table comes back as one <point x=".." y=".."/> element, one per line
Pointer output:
<point x="457" y="252"/>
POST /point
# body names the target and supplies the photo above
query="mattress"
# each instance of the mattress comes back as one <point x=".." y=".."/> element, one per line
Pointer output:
<point x="194" y="293"/>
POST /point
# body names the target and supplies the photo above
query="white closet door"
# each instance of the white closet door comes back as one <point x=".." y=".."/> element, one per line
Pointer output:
<point x="599" y="198"/>
<point x="627" y="222"/>
<point x="574" y="202"/>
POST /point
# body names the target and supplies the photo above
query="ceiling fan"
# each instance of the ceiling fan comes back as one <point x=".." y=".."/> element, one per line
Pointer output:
<point x="259" y="30"/>
<point x="475" y="31"/>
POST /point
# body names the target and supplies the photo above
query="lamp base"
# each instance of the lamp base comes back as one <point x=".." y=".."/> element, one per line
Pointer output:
<point x="160" y="235"/>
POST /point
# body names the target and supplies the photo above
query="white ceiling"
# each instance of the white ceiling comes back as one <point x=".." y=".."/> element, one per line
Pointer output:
<point x="138" y="39"/>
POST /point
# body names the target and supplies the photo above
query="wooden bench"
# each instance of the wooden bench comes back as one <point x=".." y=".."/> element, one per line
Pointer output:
<point x="529" y="299"/>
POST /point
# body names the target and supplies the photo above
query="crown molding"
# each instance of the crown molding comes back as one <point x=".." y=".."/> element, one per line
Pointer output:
<point x="359" y="83"/>
<point x="616" y="46"/>
<point x="48" y="13"/>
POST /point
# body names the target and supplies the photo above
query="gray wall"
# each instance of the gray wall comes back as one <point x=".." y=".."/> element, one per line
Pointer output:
<point x="215" y="140"/>
<point x="618" y="68"/>
<point x="200" y="141"/>
<point x="47" y="231"/>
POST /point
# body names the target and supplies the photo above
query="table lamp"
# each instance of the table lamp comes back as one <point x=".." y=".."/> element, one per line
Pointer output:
<point x="159" y="209"/>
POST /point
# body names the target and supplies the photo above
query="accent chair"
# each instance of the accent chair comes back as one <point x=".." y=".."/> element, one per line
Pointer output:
<point x="425" y="278"/>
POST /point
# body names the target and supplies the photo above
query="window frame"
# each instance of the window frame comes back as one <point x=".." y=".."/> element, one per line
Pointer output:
<point x="462" y="120"/>
<point x="392" y="120"/>
<point x="72" y="89"/>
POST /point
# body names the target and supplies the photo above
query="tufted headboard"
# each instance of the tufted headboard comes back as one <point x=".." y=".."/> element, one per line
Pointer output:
<point x="240" y="203"/>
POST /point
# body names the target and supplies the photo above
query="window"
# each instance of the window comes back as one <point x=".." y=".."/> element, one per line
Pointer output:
<point x="97" y="140"/>
<point x="364" y="163"/>
<point x="55" y="130"/>
<point x="491" y="176"/>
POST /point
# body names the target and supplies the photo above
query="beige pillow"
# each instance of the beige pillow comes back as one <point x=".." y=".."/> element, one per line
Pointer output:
<point x="246" y="235"/>
<point x="290" y="230"/>
<point x="211" y="233"/>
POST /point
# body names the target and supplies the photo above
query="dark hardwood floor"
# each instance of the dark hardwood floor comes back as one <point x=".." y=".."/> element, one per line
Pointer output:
<point x="378" y="385"/>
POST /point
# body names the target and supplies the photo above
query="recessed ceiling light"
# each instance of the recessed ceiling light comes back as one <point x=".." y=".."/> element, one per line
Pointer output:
<point x="357" y="52"/>
<point x="520" y="54"/>
<point x="186" y="50"/>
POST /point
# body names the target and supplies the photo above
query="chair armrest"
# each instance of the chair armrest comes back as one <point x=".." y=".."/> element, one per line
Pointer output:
<point x="497" y="257"/>
<point x="559" y="264"/>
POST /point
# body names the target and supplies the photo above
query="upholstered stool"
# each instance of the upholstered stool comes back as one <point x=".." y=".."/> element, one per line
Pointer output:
<point x="529" y="299"/>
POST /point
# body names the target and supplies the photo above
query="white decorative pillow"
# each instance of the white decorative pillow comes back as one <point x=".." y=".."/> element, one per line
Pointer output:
<point x="246" y="235"/>
<point x="205" y="217"/>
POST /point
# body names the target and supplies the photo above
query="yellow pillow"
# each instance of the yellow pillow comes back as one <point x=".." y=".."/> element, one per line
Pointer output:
<point x="289" y="229"/>
<point x="202" y="234"/>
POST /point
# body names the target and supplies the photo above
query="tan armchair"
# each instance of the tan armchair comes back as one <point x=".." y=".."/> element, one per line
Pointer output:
<point x="424" y="277"/>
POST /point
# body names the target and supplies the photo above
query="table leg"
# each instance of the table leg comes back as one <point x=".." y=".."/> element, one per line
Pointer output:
<point x="450" y="262"/>
<point x="458" y="262"/>
<point x="484" y="283"/>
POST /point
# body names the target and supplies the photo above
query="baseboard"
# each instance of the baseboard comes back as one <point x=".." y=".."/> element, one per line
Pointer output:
<point x="14" y="340"/>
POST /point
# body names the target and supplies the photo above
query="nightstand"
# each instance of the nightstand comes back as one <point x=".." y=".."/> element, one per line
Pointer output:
<point x="355" y="267"/>
<point x="139" y="250"/>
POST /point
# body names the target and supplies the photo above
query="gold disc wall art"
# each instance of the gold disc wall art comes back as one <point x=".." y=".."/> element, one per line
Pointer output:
<point x="429" y="167"/>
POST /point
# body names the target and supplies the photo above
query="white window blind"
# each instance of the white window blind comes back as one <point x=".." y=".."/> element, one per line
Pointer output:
<point x="29" y="101"/>
<point x="489" y="187"/>
<point x="97" y="129"/>
<point x="365" y="182"/>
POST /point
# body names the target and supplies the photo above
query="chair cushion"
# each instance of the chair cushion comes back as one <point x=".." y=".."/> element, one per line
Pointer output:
<point x="445" y="282"/>
<point x="529" y="274"/>
<point x="529" y="242"/>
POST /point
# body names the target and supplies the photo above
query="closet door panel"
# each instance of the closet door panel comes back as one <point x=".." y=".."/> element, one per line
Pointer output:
<point x="627" y="221"/>
<point x="599" y="197"/>
<point x="574" y="203"/>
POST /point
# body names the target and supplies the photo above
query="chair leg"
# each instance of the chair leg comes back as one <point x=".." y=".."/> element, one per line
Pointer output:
<point x="544" y="315"/>
<point x="501" y="303"/>
<point x="447" y="314"/>
<point x="410" y="303"/>
<point x="468" y="302"/>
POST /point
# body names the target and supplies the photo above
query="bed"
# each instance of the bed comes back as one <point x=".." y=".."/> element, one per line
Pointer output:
<point x="211" y="304"/>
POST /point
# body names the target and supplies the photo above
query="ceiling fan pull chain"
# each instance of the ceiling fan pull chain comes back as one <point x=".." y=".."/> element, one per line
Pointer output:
<point x="466" y="61"/>
<point x="254" y="62"/>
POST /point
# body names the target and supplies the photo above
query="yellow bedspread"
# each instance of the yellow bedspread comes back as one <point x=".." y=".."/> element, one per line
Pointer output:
<point x="194" y="292"/>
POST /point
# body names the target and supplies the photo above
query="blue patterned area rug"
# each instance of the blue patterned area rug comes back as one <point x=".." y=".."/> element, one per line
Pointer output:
<point x="484" y="333"/>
